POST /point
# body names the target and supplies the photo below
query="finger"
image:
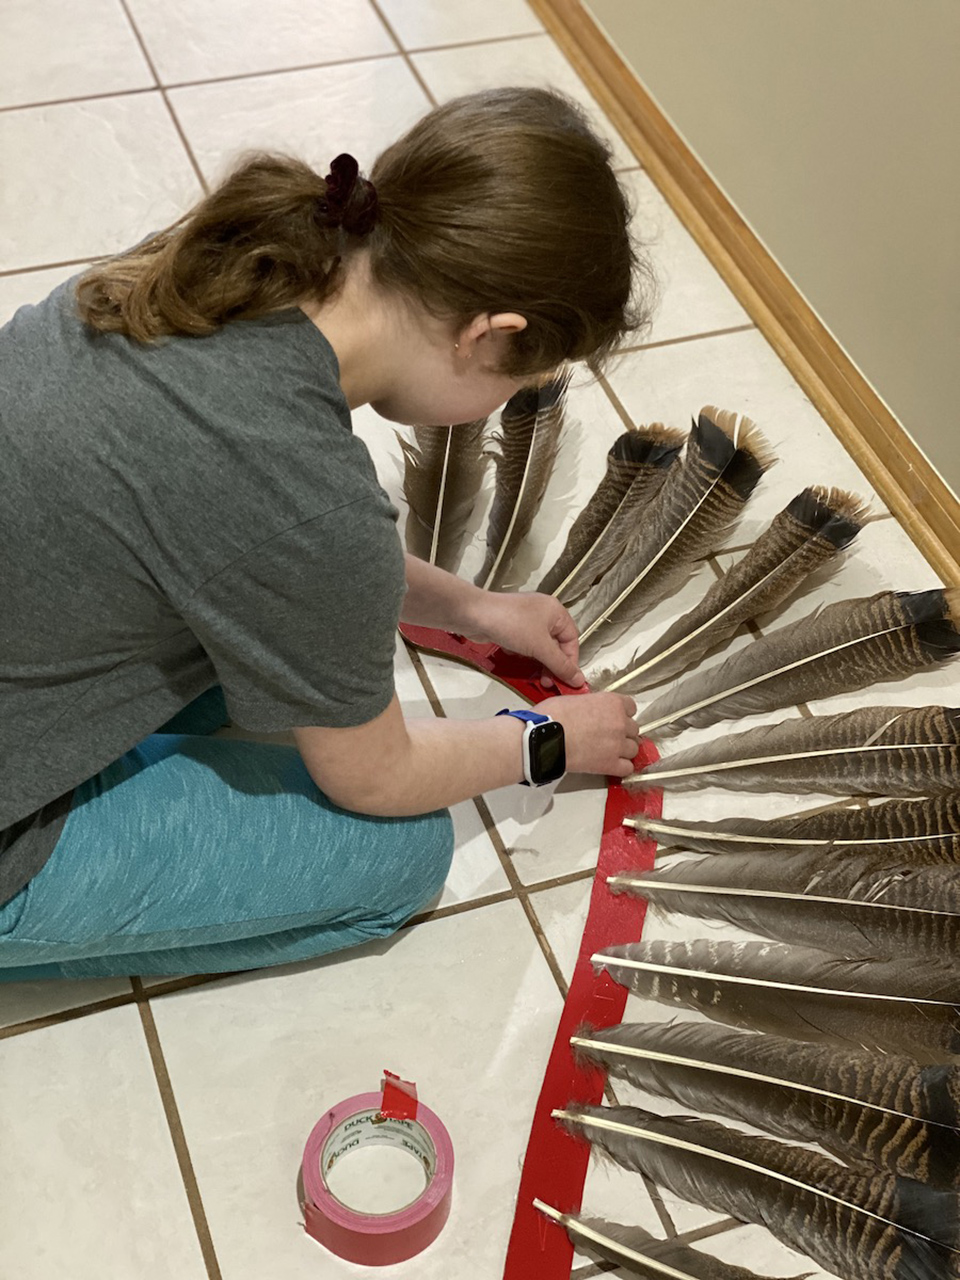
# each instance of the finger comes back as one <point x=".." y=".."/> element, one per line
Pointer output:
<point x="564" y="667"/>
<point x="623" y="769"/>
<point x="629" y="705"/>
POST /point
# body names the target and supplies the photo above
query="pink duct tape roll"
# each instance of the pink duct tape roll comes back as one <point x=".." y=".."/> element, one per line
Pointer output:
<point x="376" y="1240"/>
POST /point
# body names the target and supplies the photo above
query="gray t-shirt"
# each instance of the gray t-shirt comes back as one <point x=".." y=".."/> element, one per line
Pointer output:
<point x="173" y="516"/>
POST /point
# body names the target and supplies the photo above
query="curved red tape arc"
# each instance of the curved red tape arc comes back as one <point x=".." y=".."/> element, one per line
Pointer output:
<point x="555" y="1166"/>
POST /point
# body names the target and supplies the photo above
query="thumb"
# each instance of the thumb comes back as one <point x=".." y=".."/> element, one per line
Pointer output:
<point x="562" y="664"/>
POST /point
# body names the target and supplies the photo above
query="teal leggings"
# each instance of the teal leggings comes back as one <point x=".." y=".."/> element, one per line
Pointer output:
<point x="193" y="854"/>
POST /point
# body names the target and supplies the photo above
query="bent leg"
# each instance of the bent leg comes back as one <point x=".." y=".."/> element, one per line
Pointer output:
<point x="200" y="855"/>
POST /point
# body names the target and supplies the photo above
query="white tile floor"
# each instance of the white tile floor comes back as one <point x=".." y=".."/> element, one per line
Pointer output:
<point x="154" y="1130"/>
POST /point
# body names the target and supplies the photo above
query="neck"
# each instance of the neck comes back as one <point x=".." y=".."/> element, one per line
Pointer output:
<point x="356" y="321"/>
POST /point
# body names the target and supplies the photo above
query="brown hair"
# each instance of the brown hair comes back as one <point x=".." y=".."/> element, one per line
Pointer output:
<point x="497" y="201"/>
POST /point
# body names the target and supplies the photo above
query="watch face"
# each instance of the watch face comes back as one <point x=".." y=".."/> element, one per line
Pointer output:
<point x="548" y="759"/>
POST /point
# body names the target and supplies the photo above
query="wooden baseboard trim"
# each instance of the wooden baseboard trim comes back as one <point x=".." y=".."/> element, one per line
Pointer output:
<point x="901" y="474"/>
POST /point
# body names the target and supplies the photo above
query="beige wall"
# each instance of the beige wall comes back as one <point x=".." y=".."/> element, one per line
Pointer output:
<point x="834" y="127"/>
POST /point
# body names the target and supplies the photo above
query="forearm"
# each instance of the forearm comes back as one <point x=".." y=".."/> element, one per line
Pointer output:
<point x="442" y="762"/>
<point x="436" y="598"/>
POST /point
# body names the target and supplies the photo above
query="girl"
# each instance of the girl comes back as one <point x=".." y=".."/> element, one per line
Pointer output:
<point x="191" y="532"/>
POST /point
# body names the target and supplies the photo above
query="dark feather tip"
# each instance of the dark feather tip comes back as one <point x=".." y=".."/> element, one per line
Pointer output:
<point x="656" y="445"/>
<point x="834" y="515"/>
<point x="935" y="615"/>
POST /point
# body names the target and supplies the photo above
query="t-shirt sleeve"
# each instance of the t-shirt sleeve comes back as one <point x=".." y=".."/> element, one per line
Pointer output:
<point x="301" y="630"/>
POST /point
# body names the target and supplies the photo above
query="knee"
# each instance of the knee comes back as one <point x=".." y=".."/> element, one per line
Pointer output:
<point x="421" y="870"/>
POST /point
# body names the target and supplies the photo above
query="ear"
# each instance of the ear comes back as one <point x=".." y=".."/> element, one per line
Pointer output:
<point x="482" y="326"/>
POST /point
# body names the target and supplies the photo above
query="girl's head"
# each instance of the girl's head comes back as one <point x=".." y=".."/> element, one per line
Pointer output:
<point x="498" y="203"/>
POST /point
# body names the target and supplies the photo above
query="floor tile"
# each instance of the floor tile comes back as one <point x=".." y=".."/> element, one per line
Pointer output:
<point x="432" y="22"/>
<point x="91" y="1183"/>
<point x="237" y="37"/>
<point x="465" y="1006"/>
<point x="24" y="1001"/>
<point x="692" y="296"/>
<point x="535" y="61"/>
<point x="360" y="107"/>
<point x="117" y="164"/>
<point x="741" y="371"/>
<point x="51" y="51"/>
<point x="29" y="287"/>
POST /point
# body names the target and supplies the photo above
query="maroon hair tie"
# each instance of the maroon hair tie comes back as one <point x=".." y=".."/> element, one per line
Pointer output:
<point x="341" y="183"/>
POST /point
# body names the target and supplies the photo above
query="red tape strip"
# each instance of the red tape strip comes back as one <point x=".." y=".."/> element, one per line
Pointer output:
<point x="555" y="1167"/>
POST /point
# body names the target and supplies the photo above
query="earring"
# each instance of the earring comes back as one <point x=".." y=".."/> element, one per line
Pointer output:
<point x="456" y="346"/>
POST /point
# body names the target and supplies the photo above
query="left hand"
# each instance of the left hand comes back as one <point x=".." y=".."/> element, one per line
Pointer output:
<point x="533" y="624"/>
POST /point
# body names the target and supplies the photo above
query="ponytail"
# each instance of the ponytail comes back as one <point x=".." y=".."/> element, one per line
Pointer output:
<point x="270" y="235"/>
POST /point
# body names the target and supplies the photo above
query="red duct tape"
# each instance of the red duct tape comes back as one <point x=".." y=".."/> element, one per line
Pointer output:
<point x="381" y="1239"/>
<point x="522" y="674"/>
<point x="555" y="1166"/>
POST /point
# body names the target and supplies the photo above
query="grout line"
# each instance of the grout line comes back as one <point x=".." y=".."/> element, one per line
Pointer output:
<point x="712" y="1229"/>
<point x="65" y="1015"/>
<point x="470" y="44"/>
<point x="176" y="1132"/>
<point x="690" y="337"/>
<point x="403" y="53"/>
<point x="688" y="1237"/>
<point x="83" y="97"/>
<point x="400" y="52"/>
<point x="166" y="100"/>
<point x="615" y="401"/>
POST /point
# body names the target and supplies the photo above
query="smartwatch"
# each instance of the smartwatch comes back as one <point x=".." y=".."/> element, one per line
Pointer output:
<point x="544" y="756"/>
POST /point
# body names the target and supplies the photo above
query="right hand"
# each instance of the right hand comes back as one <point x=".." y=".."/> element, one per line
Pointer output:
<point x="599" y="731"/>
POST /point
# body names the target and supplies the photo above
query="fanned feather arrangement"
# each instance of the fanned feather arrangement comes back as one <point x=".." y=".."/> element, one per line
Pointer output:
<point x="641" y="1253"/>
<point x="836" y="1024"/>
<point x="844" y="647"/>
<point x="807" y="535"/>
<point x="860" y="1225"/>
<point x="530" y="429"/>
<point x="919" y="831"/>
<point x="637" y="466"/>
<point x="442" y="471"/>
<point x="698" y="503"/>
<point x="895" y="751"/>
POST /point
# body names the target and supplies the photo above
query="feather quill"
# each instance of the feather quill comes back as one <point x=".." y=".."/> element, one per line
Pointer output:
<point x="641" y="1253"/>
<point x="442" y="471"/>
<point x="862" y="1226"/>
<point x="895" y="751"/>
<point x="864" y="1091"/>
<point x="806" y="535"/>
<point x="923" y="832"/>
<point x="530" y="428"/>
<point x="853" y="907"/>
<point x="846" y="646"/>
<point x="698" y="502"/>
<point x="637" y="466"/>
<point x="800" y="992"/>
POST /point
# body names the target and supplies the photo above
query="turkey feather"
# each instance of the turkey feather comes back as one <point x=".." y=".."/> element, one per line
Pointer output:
<point x="843" y="647"/>
<point x="636" y="468"/>
<point x="805" y="536"/>
<point x="922" y="831"/>
<point x="801" y="992"/>
<point x="699" y="501"/>
<point x="530" y="428"/>
<point x="896" y="751"/>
